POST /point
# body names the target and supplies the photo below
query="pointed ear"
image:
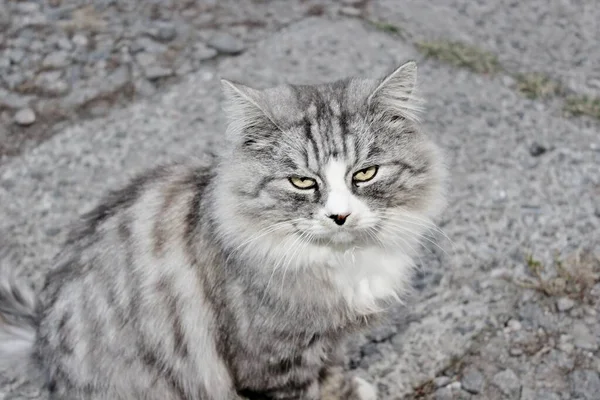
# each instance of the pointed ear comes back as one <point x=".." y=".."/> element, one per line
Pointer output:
<point x="248" y="117"/>
<point x="395" y="94"/>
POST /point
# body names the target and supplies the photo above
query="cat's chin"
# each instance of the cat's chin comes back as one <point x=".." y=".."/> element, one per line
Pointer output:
<point x="340" y="239"/>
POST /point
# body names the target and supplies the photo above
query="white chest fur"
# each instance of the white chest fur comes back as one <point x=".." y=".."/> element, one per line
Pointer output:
<point x="365" y="278"/>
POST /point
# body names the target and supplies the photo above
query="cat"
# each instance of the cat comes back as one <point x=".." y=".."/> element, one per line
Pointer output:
<point x="241" y="280"/>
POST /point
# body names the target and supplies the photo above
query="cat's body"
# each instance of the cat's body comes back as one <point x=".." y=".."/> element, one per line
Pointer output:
<point x="240" y="280"/>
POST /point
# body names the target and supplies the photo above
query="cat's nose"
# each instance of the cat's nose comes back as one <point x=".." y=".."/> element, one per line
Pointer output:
<point x="339" y="219"/>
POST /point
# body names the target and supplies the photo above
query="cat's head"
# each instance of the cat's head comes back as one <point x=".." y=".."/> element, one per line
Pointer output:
<point x="339" y="165"/>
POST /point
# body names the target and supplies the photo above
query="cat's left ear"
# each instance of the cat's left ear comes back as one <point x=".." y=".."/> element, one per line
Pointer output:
<point x="248" y="115"/>
<point x="395" y="94"/>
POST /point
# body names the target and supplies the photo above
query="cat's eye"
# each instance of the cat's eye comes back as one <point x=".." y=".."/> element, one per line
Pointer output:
<point x="365" y="175"/>
<point x="303" y="183"/>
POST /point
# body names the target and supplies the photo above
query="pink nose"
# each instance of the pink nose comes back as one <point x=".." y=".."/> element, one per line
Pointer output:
<point x="339" y="219"/>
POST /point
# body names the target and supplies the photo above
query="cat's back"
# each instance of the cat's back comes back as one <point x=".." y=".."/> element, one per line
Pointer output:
<point x="123" y="285"/>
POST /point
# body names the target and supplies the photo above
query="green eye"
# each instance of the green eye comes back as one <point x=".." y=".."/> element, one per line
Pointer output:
<point x="365" y="175"/>
<point x="303" y="183"/>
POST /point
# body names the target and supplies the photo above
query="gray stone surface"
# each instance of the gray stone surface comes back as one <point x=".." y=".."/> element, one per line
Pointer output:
<point x="585" y="384"/>
<point x="508" y="382"/>
<point x="473" y="381"/>
<point x="25" y="117"/>
<point x="473" y="307"/>
<point x="554" y="37"/>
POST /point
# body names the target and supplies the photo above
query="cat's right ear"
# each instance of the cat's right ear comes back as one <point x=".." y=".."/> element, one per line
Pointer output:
<point x="248" y="116"/>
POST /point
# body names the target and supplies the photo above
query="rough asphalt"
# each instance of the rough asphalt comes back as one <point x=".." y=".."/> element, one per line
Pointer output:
<point x="506" y="307"/>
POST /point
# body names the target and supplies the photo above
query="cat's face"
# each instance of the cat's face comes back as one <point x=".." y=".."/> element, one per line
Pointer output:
<point x="340" y="165"/>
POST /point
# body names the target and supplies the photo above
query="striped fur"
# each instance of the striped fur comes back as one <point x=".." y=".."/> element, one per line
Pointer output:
<point x="227" y="282"/>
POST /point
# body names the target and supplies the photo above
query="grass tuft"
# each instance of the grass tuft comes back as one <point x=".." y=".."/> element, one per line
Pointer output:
<point x="538" y="86"/>
<point x="574" y="277"/>
<point x="386" y="27"/>
<point x="461" y="55"/>
<point x="582" y="106"/>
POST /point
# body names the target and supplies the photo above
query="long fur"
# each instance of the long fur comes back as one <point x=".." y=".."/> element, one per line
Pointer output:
<point x="229" y="281"/>
<point x="17" y="320"/>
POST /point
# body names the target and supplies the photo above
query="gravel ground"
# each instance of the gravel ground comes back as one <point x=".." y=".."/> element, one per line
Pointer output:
<point x="63" y="60"/>
<point x="506" y="307"/>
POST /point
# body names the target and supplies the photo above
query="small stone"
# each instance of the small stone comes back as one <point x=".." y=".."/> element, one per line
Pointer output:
<point x="166" y="32"/>
<point x="542" y="394"/>
<point x="202" y="52"/>
<point x="382" y="333"/>
<point x="147" y="45"/>
<point x="585" y="384"/>
<point x="226" y="44"/>
<point x="184" y="68"/>
<point x="565" y="304"/>
<point x="537" y="149"/>
<point x="473" y="381"/>
<point x="25" y="117"/>
<point x="57" y="59"/>
<point x="28" y="8"/>
<point x="514" y="325"/>
<point x="54" y="3"/>
<point x="144" y="88"/>
<point x="14" y="80"/>
<point x="583" y="338"/>
<point x="64" y="44"/>
<point x="99" y="108"/>
<point x="508" y="382"/>
<point x="151" y="68"/>
<point x="515" y="351"/>
<point x="350" y="11"/>
<point x="4" y="62"/>
<point x="51" y="83"/>
<point x="4" y="17"/>
<point x="12" y="100"/>
<point x="444" y="394"/>
<point x="16" y="55"/>
<point x="441" y="381"/>
<point x="80" y="40"/>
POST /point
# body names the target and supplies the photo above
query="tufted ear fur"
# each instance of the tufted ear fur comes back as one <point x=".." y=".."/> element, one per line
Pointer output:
<point x="395" y="93"/>
<point x="249" y="121"/>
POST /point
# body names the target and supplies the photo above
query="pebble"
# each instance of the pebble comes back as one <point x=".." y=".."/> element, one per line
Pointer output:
<point x="151" y="68"/>
<point x="441" y="381"/>
<point x="508" y="382"/>
<point x="565" y="304"/>
<point x="350" y="11"/>
<point x="50" y="83"/>
<point x="444" y="393"/>
<point x="16" y="55"/>
<point x="202" y="52"/>
<point x="12" y="100"/>
<point x="585" y="384"/>
<point x="57" y="59"/>
<point x="225" y="43"/>
<point x="583" y="337"/>
<point x="166" y="32"/>
<point x="80" y="40"/>
<point x="514" y="325"/>
<point x="473" y="381"/>
<point x="4" y="16"/>
<point x="144" y="88"/>
<point x="515" y="351"/>
<point x="542" y="394"/>
<point x="25" y="117"/>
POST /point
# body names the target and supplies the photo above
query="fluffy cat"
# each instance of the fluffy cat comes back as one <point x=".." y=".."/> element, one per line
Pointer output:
<point x="241" y="280"/>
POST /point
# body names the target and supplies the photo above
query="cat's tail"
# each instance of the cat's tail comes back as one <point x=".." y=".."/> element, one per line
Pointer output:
<point x="18" y="321"/>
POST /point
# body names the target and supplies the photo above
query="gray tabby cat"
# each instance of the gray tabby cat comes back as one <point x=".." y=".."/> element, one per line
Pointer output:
<point x="241" y="280"/>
